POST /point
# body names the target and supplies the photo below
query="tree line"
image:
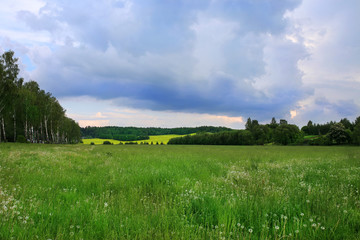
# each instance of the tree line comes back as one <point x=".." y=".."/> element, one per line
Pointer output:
<point x="282" y="133"/>
<point x="136" y="133"/>
<point x="28" y="113"/>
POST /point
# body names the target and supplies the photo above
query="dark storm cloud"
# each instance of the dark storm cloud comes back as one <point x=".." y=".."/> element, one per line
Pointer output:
<point x="190" y="56"/>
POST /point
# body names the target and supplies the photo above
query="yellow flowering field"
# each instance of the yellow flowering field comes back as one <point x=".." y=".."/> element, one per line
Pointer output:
<point x="153" y="139"/>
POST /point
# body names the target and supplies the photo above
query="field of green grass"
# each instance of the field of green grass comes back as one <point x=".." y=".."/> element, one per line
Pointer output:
<point x="178" y="192"/>
<point x="311" y="136"/>
<point x="153" y="139"/>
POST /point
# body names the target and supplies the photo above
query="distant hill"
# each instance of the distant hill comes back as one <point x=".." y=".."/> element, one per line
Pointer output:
<point x="136" y="133"/>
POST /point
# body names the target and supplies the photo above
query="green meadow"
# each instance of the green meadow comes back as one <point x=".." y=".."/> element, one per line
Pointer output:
<point x="179" y="192"/>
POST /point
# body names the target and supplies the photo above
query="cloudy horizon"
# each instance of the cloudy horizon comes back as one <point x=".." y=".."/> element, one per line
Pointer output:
<point x="181" y="63"/>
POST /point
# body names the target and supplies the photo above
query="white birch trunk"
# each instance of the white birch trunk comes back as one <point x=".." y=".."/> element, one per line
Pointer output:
<point x="3" y="128"/>
<point x="31" y="134"/>
<point x="1" y="108"/>
<point x="46" y="128"/>
<point x="52" y="132"/>
<point x="57" y="135"/>
<point x="14" y="125"/>
<point x="40" y="132"/>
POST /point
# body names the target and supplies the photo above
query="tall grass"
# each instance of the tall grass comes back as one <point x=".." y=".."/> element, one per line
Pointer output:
<point x="179" y="192"/>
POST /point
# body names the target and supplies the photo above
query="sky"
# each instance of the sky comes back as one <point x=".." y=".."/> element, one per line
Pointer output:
<point x="174" y="63"/>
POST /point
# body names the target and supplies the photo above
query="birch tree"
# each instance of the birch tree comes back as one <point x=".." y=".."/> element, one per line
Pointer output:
<point x="9" y="71"/>
<point x="27" y="110"/>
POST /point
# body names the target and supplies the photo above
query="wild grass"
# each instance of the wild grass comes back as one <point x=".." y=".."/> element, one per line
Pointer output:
<point x="178" y="192"/>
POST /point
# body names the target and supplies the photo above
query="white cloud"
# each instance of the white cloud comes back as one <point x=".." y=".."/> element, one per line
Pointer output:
<point x="227" y="59"/>
<point x="12" y="28"/>
<point x="331" y="37"/>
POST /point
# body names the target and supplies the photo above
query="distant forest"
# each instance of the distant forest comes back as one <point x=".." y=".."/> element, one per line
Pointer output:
<point x="29" y="114"/>
<point x="135" y="133"/>
<point x="282" y="133"/>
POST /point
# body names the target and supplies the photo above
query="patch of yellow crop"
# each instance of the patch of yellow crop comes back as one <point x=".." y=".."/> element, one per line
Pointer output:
<point x="99" y="141"/>
<point x="156" y="139"/>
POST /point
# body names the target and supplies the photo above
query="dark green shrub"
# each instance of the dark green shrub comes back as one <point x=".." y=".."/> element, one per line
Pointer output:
<point x="355" y="137"/>
<point x="92" y="143"/>
<point x="21" y="139"/>
<point x="107" y="143"/>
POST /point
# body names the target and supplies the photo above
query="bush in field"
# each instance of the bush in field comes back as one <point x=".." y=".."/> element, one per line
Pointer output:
<point x="261" y="134"/>
<point x="92" y="143"/>
<point x="21" y="139"/>
<point x="355" y="138"/>
<point x="356" y="135"/>
<point x="129" y="137"/>
<point x="106" y="143"/>
<point x="338" y="134"/>
<point x="319" y="141"/>
<point x="286" y="134"/>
